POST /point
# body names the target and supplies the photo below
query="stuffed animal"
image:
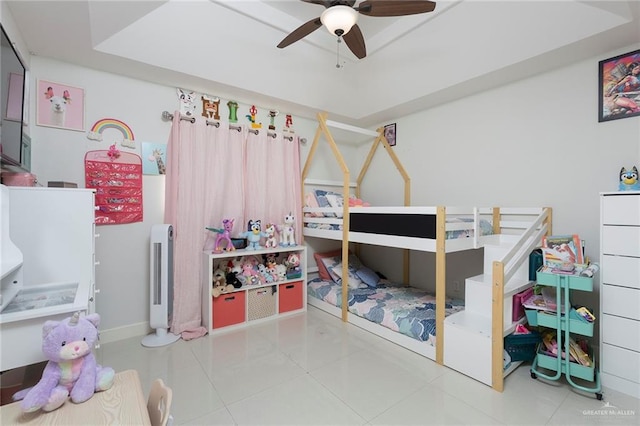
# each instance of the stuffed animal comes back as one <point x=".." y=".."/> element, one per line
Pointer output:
<point x="281" y="272"/>
<point x="293" y="266"/>
<point x="72" y="369"/>
<point x="253" y="234"/>
<point x="223" y="235"/>
<point x="267" y="277"/>
<point x="235" y="265"/>
<point x="232" y="278"/>
<point x="286" y="231"/>
<point x="220" y="285"/>
<point x="251" y="274"/>
<point x="270" y="235"/>
<point x="629" y="180"/>
<point x="357" y="202"/>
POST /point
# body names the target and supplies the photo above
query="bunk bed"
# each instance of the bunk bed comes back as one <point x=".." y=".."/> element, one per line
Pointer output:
<point x="513" y="232"/>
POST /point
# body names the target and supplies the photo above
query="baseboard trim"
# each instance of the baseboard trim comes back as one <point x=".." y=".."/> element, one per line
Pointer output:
<point x="120" y="333"/>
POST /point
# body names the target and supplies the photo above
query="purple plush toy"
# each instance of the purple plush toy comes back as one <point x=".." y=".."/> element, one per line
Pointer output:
<point x="72" y="369"/>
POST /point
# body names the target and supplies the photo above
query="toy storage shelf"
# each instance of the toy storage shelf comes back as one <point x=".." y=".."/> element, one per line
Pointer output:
<point x="251" y="303"/>
<point x="565" y="323"/>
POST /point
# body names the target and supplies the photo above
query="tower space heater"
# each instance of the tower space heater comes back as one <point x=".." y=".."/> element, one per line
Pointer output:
<point x="161" y="287"/>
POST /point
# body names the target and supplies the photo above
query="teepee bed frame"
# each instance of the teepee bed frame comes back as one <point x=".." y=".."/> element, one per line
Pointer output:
<point x="515" y="233"/>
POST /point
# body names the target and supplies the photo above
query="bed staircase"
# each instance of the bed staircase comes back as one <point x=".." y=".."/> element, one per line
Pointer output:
<point x="469" y="346"/>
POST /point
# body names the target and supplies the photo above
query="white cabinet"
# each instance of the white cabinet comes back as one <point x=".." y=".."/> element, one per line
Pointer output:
<point x="54" y="230"/>
<point x="620" y="291"/>
<point x="252" y="302"/>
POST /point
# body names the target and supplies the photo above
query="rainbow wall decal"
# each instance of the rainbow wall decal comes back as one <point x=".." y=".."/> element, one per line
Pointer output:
<point x="111" y="123"/>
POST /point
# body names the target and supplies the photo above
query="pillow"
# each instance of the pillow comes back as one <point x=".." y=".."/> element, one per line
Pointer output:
<point x="354" y="281"/>
<point x="312" y="202"/>
<point x="368" y="276"/>
<point x="321" y="198"/>
<point x="329" y="263"/>
<point x="335" y="201"/>
<point x="322" y="269"/>
<point x="326" y="261"/>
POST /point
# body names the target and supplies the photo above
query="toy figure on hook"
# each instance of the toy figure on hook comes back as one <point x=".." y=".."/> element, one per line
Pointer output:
<point x="224" y="234"/>
<point x="286" y="231"/>
<point x="253" y="111"/>
<point x="210" y="107"/>
<point x="253" y="234"/>
<point x="272" y="116"/>
<point x="187" y="102"/>
<point x="288" y="124"/>
<point x="233" y="111"/>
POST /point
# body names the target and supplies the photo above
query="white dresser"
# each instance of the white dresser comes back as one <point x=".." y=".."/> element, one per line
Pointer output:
<point x="620" y="291"/>
<point x="52" y="273"/>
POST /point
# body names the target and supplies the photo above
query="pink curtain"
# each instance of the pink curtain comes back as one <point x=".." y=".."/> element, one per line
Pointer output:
<point x="215" y="173"/>
<point x="272" y="173"/>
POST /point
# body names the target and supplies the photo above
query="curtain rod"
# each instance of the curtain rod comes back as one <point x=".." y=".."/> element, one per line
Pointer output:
<point x="167" y="116"/>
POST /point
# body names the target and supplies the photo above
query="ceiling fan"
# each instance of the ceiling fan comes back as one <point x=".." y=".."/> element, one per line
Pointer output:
<point x="340" y="18"/>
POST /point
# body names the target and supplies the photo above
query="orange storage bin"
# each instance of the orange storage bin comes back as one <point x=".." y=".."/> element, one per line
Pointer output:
<point x="290" y="296"/>
<point x="228" y="309"/>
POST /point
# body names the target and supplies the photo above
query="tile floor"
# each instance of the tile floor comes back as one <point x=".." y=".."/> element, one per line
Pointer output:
<point x="312" y="369"/>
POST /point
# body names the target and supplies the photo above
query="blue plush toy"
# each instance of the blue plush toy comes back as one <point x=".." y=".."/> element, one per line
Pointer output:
<point x="253" y="234"/>
<point x="629" y="180"/>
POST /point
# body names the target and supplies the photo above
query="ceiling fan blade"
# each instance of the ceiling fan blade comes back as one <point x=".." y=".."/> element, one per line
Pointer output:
<point x="325" y="3"/>
<point x="355" y="42"/>
<point x="395" y="8"/>
<point x="300" y="32"/>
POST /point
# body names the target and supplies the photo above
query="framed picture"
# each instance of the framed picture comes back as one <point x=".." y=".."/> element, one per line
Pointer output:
<point x="154" y="158"/>
<point x="59" y="105"/>
<point x="619" y="87"/>
<point x="390" y="133"/>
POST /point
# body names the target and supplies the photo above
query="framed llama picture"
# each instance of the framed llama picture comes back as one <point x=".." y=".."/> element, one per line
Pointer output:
<point x="59" y="105"/>
<point x="619" y="87"/>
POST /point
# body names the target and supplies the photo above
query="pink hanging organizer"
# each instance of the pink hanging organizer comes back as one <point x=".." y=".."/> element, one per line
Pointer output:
<point x="118" y="185"/>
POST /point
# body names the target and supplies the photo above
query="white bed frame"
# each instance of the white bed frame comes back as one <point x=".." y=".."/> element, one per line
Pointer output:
<point x="523" y="227"/>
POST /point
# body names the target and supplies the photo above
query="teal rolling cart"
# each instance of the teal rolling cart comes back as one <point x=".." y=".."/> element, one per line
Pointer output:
<point x="565" y="323"/>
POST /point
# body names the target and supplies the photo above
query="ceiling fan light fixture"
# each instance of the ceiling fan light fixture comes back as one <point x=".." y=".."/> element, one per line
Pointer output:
<point x="339" y="19"/>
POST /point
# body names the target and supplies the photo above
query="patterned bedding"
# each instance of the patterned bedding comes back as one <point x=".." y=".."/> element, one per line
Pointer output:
<point x="407" y="310"/>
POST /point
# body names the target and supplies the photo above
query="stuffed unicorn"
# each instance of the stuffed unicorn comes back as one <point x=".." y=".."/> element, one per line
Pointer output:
<point x="286" y="231"/>
<point x="72" y="370"/>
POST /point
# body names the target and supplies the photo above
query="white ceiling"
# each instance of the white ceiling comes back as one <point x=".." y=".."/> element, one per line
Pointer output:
<point x="228" y="48"/>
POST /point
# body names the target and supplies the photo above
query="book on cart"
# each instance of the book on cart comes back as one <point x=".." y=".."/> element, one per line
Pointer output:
<point x="562" y="252"/>
<point x="546" y="301"/>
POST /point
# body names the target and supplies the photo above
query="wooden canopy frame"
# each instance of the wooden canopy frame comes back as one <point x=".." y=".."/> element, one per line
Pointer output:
<point x="379" y="140"/>
<point x="500" y="274"/>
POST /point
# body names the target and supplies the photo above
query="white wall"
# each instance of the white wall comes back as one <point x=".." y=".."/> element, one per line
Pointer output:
<point x="122" y="250"/>
<point x="536" y="142"/>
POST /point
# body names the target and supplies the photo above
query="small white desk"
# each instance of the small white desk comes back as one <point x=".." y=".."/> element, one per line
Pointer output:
<point x="123" y="404"/>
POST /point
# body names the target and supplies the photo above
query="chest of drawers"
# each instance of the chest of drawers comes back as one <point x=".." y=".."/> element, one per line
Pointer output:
<point x="620" y="291"/>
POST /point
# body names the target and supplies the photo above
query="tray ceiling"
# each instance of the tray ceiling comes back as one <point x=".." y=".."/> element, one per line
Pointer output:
<point x="228" y="48"/>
